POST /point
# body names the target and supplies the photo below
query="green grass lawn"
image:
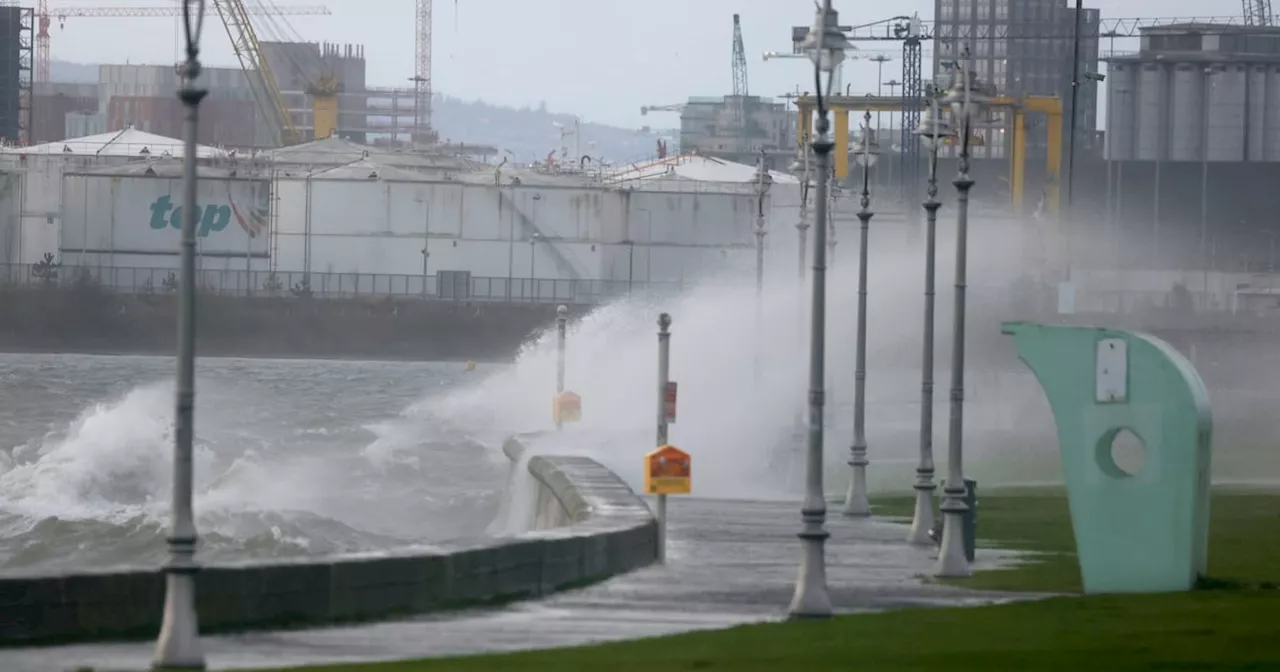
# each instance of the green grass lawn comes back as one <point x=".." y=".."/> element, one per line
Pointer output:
<point x="1234" y="625"/>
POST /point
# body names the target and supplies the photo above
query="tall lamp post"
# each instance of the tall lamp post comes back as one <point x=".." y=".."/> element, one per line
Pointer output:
<point x="533" y="256"/>
<point x="967" y="99"/>
<point x="825" y="45"/>
<point x="801" y="165"/>
<point x="1271" y="250"/>
<point x="178" y="646"/>
<point x="763" y="181"/>
<point x="934" y="130"/>
<point x="866" y="151"/>
<point x="631" y="262"/>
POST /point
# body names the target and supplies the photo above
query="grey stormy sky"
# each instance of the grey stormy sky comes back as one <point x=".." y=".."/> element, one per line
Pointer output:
<point x="601" y="59"/>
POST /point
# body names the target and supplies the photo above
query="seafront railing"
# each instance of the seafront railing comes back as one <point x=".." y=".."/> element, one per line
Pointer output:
<point x="441" y="286"/>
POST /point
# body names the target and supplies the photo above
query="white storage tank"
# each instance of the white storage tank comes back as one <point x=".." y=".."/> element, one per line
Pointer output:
<point x="1226" y="106"/>
<point x="117" y="219"/>
<point x="1150" y="111"/>
<point x="1271" y="121"/>
<point x="1257" y="119"/>
<point x="1120" y="106"/>
<point x="1186" y="112"/>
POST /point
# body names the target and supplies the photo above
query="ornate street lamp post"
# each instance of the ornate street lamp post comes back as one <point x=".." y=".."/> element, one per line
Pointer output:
<point x="967" y="100"/>
<point x="178" y="646"/>
<point x="825" y="45"/>
<point x="866" y="152"/>
<point x="934" y="131"/>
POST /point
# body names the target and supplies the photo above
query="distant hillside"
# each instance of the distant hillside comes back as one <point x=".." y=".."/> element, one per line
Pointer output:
<point x="73" y="73"/>
<point x="530" y="133"/>
<point x="527" y="133"/>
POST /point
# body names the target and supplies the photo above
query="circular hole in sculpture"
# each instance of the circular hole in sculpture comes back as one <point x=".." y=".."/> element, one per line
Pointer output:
<point x="1128" y="453"/>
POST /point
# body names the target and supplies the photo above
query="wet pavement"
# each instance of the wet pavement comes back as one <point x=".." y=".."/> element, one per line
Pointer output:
<point x="728" y="563"/>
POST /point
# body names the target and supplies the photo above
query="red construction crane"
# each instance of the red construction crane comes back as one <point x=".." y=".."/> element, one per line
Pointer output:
<point x="45" y="17"/>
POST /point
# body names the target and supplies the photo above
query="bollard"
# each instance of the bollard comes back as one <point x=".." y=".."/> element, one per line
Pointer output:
<point x="664" y="373"/>
<point x="971" y="519"/>
<point x="970" y="526"/>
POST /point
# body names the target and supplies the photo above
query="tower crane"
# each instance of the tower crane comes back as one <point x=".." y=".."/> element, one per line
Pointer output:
<point x="676" y="107"/>
<point x="739" y="102"/>
<point x="1257" y="12"/>
<point x="45" y="17"/>
<point x="422" y="70"/>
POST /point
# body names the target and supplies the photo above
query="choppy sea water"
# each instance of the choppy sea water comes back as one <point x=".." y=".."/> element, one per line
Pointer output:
<point x="293" y="458"/>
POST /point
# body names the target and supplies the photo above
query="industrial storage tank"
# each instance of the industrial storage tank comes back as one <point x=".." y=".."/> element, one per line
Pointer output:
<point x="1257" y="108"/>
<point x="1186" y="112"/>
<point x="1119" y="118"/>
<point x="367" y="218"/>
<point x="1226" y="103"/>
<point x="1151" y="111"/>
<point x="131" y="218"/>
<point x="1271" y="121"/>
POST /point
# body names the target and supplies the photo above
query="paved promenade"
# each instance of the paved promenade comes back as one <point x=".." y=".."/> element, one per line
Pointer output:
<point x="728" y="563"/>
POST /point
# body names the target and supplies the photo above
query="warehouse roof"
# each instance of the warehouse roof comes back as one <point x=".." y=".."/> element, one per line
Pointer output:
<point x="162" y="167"/>
<point x="368" y="169"/>
<point x="335" y="151"/>
<point x="692" y="168"/>
<point x="124" y="143"/>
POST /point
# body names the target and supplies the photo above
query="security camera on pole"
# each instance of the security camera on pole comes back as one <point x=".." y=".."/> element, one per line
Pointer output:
<point x="825" y="45"/>
<point x="934" y="131"/>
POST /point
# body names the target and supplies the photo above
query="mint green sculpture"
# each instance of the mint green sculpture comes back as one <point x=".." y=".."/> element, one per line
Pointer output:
<point x="1142" y="532"/>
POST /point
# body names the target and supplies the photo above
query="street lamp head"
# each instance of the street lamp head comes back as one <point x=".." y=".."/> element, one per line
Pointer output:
<point x="967" y="97"/>
<point x="796" y="166"/>
<point x="763" y="182"/>
<point x="934" y="131"/>
<point x="825" y="44"/>
<point x="866" y="151"/>
<point x="1095" y="76"/>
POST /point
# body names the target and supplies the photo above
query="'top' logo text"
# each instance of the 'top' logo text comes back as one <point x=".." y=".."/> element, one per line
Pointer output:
<point x="209" y="218"/>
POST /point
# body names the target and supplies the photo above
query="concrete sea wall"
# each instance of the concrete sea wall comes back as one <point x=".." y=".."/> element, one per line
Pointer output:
<point x="93" y="320"/>
<point x="589" y="526"/>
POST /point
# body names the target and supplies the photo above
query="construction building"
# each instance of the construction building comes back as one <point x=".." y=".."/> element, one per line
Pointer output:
<point x="298" y="67"/>
<point x="16" y="62"/>
<point x="1022" y="48"/>
<point x="737" y="128"/>
<point x="145" y="97"/>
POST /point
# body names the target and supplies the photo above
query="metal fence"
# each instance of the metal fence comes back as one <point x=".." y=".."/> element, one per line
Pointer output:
<point x="442" y="286"/>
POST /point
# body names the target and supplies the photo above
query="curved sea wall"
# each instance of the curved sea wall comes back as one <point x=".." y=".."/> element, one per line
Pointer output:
<point x="588" y="526"/>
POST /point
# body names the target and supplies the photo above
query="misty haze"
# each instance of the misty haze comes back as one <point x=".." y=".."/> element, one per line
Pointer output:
<point x="981" y="300"/>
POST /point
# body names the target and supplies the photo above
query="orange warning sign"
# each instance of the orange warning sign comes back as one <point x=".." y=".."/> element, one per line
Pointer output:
<point x="668" y="471"/>
<point x="669" y="401"/>
<point x="566" y="407"/>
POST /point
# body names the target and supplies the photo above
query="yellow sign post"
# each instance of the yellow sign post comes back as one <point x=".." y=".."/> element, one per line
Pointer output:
<point x="668" y="471"/>
<point x="566" y="407"/>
